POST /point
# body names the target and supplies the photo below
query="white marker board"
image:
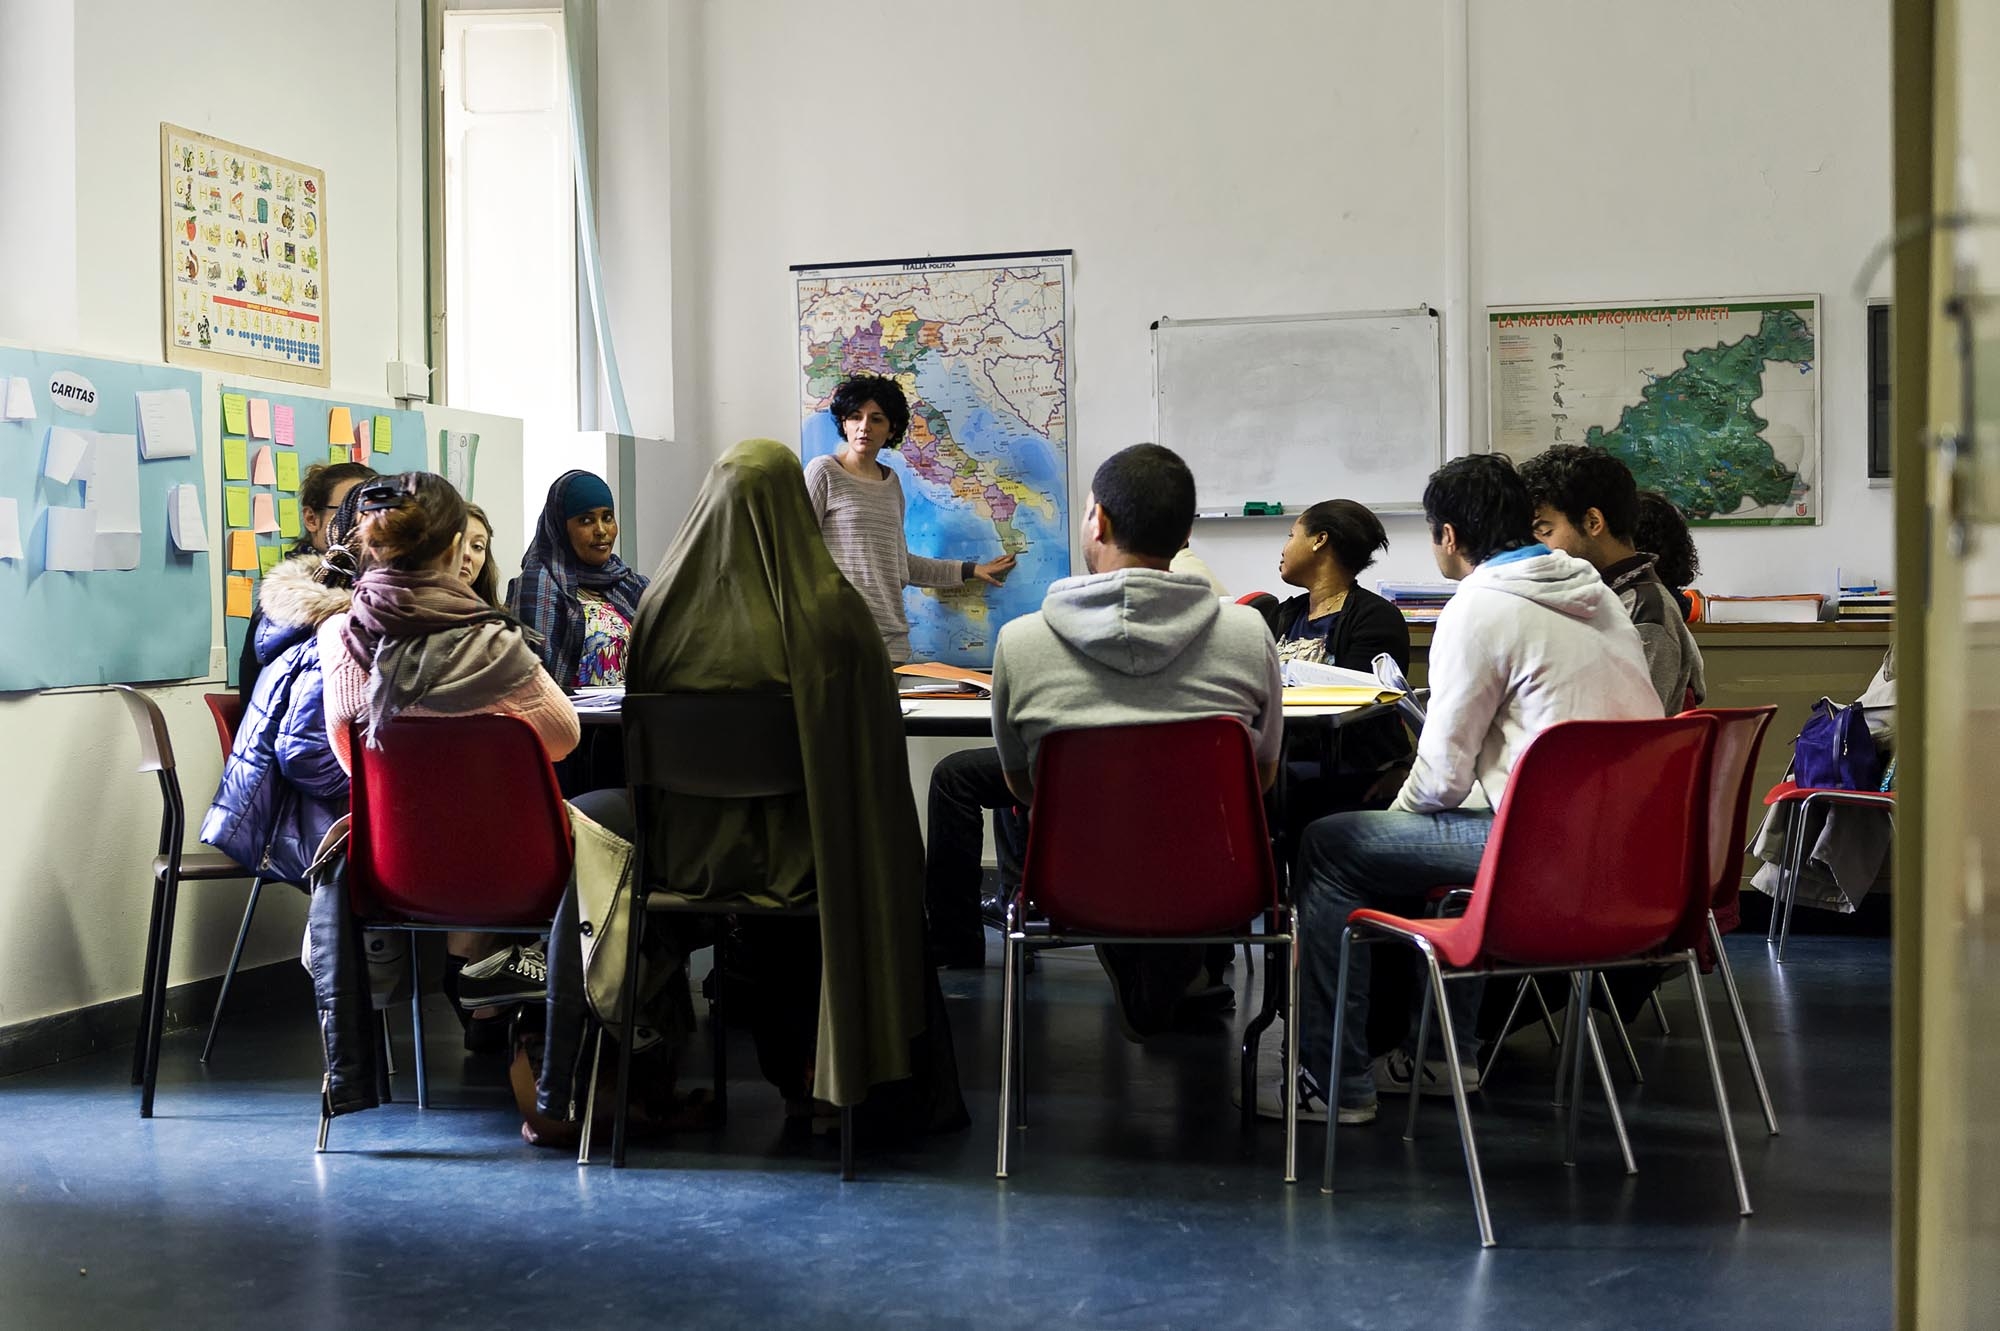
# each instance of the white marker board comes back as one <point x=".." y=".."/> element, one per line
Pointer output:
<point x="1293" y="409"/>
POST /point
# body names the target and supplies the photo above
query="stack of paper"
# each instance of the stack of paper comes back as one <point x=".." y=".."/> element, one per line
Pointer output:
<point x="1802" y="609"/>
<point x="1420" y="602"/>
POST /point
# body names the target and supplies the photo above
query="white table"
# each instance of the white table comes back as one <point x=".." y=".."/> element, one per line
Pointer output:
<point x="972" y="718"/>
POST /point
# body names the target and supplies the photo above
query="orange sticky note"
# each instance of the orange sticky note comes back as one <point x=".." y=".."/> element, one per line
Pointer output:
<point x="237" y="604"/>
<point x="243" y="551"/>
<point x="339" y="427"/>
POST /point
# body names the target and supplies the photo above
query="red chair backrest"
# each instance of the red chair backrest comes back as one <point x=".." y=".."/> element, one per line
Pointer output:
<point x="227" y="709"/>
<point x="457" y="820"/>
<point x="1597" y="850"/>
<point x="1739" y="736"/>
<point x="1149" y="830"/>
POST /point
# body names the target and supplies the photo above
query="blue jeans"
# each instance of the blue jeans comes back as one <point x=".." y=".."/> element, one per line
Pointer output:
<point x="1386" y="861"/>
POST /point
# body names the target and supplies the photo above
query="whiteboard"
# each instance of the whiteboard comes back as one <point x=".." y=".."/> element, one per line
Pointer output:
<point x="1294" y="409"/>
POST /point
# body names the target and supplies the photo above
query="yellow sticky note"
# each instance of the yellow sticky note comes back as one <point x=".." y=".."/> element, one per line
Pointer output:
<point x="237" y="602"/>
<point x="340" y="427"/>
<point x="382" y="433"/>
<point x="288" y="471"/>
<point x="235" y="459"/>
<point x="288" y="518"/>
<point x="235" y="506"/>
<point x="337" y="453"/>
<point x="235" y="414"/>
<point x="268" y="557"/>
<point x="243" y="551"/>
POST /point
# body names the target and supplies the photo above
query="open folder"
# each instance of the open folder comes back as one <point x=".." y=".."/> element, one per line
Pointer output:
<point x="928" y="679"/>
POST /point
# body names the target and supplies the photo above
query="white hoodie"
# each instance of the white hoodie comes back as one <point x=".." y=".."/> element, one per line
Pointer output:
<point x="1532" y="637"/>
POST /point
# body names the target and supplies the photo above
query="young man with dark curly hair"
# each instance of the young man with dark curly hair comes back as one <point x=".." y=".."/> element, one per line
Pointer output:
<point x="1587" y="505"/>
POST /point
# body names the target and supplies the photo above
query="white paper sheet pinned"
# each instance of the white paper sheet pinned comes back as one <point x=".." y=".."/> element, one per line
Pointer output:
<point x="67" y="450"/>
<point x="20" y="402"/>
<point x="111" y="485"/>
<point x="115" y="551"/>
<point x="166" y="423"/>
<point x="72" y="541"/>
<point x="184" y="519"/>
<point x="10" y="528"/>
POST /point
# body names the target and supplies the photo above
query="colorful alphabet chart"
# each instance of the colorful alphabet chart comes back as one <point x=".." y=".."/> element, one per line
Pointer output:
<point x="245" y="255"/>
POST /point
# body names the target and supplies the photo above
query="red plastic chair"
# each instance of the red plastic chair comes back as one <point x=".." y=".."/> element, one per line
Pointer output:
<point x="1594" y="862"/>
<point x="457" y="824"/>
<point x="1809" y="798"/>
<point x="227" y="711"/>
<point x="1145" y="834"/>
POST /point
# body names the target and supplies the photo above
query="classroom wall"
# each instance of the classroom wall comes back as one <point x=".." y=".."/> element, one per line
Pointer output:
<point x="1276" y="156"/>
<point x="77" y="821"/>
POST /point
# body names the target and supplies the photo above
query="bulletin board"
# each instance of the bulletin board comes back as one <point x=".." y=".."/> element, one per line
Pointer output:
<point x="269" y="440"/>
<point x="244" y="254"/>
<point x="141" y="611"/>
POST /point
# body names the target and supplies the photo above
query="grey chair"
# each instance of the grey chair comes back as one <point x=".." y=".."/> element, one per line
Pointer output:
<point x="172" y="866"/>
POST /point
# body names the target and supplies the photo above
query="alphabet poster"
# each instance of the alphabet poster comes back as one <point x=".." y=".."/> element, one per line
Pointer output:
<point x="245" y="250"/>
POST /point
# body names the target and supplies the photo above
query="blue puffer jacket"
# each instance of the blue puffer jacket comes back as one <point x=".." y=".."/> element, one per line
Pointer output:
<point x="281" y="788"/>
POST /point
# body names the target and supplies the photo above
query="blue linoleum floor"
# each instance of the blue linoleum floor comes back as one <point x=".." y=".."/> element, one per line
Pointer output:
<point x="1137" y="1200"/>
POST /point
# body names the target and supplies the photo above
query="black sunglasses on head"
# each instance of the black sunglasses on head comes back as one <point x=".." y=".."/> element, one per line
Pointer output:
<point x="387" y="493"/>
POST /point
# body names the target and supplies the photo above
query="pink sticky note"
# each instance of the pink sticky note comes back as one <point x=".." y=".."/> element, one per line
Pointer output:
<point x="363" y="439"/>
<point x="263" y="514"/>
<point x="263" y="471"/>
<point x="260" y="418"/>
<point x="281" y="424"/>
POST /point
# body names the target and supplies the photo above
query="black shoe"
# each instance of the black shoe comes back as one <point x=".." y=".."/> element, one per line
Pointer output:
<point x="993" y="912"/>
<point x="518" y="975"/>
<point x="488" y="1035"/>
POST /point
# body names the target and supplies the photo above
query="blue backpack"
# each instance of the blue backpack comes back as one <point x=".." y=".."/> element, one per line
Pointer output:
<point x="1834" y="750"/>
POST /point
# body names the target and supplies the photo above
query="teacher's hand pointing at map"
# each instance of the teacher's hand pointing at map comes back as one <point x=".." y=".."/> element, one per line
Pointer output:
<point x="994" y="571"/>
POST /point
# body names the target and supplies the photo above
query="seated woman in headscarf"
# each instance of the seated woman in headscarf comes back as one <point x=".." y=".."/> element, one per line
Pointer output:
<point x="748" y="601"/>
<point x="575" y="594"/>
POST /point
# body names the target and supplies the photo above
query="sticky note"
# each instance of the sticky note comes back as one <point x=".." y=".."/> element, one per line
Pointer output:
<point x="236" y="599"/>
<point x="337" y="453"/>
<point x="235" y="459"/>
<point x="235" y="506"/>
<point x="242" y="550"/>
<point x="263" y="517"/>
<point x="262" y="470"/>
<point x="364" y="440"/>
<point x="281" y="425"/>
<point x="288" y="519"/>
<point x="235" y="414"/>
<point x="72" y="541"/>
<point x="268" y="557"/>
<point x="166" y="423"/>
<point x="67" y="450"/>
<point x="184" y="518"/>
<point x="260" y="418"/>
<point x="384" y="434"/>
<point x="10" y="527"/>
<point x="339" y="426"/>
<point x="288" y="471"/>
<point x="20" y="405"/>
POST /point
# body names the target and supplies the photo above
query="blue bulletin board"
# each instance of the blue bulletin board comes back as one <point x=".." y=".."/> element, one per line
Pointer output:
<point x="253" y="420"/>
<point x="110" y="624"/>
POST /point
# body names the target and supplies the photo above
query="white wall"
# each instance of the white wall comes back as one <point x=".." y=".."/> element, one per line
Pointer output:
<point x="1261" y="157"/>
<point x="77" y="822"/>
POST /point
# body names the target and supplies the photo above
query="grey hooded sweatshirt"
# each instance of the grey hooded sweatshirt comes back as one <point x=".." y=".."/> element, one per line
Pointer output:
<point x="1128" y="648"/>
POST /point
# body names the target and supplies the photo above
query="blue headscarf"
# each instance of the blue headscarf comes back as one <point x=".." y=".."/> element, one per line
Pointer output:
<point x="544" y="597"/>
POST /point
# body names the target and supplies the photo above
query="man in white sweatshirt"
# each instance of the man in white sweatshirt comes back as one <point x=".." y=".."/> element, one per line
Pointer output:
<point x="1531" y="638"/>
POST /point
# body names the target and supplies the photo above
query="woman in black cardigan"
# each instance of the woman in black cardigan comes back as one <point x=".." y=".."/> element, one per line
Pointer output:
<point x="1338" y="622"/>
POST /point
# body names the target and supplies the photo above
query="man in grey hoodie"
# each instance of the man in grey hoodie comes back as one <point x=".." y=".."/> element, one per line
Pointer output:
<point x="1532" y="637"/>
<point x="1129" y="644"/>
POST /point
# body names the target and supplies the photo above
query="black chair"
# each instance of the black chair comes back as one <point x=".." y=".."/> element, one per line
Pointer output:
<point x="720" y="746"/>
<point x="172" y="866"/>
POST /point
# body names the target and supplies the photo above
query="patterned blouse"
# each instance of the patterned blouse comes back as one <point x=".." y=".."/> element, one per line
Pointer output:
<point x="605" y="631"/>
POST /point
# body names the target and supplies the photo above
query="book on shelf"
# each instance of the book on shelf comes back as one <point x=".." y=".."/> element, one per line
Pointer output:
<point x="1419" y="602"/>
<point x="1800" y="609"/>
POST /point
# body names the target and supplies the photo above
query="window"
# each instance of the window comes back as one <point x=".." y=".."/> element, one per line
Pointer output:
<point x="1880" y="367"/>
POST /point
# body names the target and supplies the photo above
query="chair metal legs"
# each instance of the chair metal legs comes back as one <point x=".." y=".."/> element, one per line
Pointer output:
<point x="156" y="1014"/>
<point x="235" y="959"/>
<point x="1417" y="1068"/>
<point x="1333" y="1069"/>
<point x="1009" y="997"/>
<point x="1588" y="1020"/>
<point x="1659" y="1012"/>
<point x="417" y="1026"/>
<point x="1457" y="1097"/>
<point x="1292" y="962"/>
<point x="1742" y="1025"/>
<point x="145" y="1026"/>
<point x="1618" y="1023"/>
<point x="590" y="1098"/>
<point x="1721" y="1091"/>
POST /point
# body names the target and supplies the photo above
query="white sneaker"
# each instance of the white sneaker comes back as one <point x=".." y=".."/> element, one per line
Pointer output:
<point x="1271" y="1088"/>
<point x="1393" y="1069"/>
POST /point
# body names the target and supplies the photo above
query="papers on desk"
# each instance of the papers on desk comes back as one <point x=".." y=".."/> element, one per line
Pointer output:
<point x="607" y="698"/>
<point x="1338" y="695"/>
<point x="1298" y="673"/>
<point x="928" y="679"/>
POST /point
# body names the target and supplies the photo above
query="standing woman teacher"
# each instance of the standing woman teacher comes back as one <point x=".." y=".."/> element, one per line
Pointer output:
<point x="574" y="593"/>
<point x="858" y="503"/>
